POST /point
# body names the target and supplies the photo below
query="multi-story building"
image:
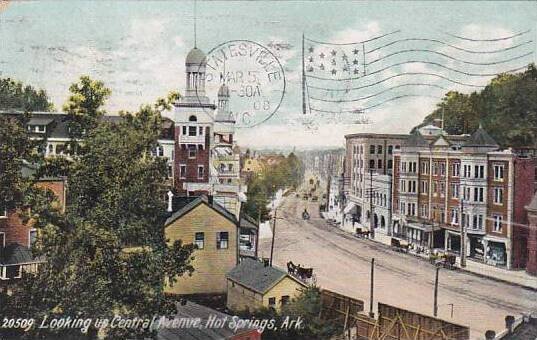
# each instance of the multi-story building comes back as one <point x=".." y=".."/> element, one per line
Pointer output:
<point x="367" y="180"/>
<point x="445" y="184"/>
<point x="17" y="237"/>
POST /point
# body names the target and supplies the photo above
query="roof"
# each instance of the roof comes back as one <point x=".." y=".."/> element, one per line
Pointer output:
<point x="376" y="135"/>
<point x="256" y="276"/>
<point x="195" y="56"/>
<point x="480" y="137"/>
<point x="190" y="203"/>
<point x="248" y="222"/>
<point x="15" y="253"/>
<point x="415" y="140"/>
<point x="191" y="311"/>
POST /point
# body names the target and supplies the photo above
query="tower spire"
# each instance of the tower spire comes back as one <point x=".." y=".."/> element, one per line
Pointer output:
<point x="195" y="19"/>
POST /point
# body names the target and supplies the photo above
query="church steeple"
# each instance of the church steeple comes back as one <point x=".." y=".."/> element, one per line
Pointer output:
<point x="195" y="63"/>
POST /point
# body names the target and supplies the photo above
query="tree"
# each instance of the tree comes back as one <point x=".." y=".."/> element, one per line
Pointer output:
<point x="107" y="254"/>
<point x="506" y="107"/>
<point x="84" y="106"/>
<point x="16" y="96"/>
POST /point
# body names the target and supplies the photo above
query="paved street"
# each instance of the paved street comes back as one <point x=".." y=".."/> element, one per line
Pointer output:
<point x="341" y="263"/>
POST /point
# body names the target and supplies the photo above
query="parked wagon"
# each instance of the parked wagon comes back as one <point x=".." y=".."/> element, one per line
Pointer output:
<point x="362" y="233"/>
<point x="399" y="245"/>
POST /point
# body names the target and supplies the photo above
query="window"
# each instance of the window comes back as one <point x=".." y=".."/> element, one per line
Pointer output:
<point x="467" y="171"/>
<point x="403" y="166"/>
<point x="390" y="164"/>
<point x="372" y="149"/>
<point x="478" y="194"/>
<point x="454" y="190"/>
<point x="13" y="272"/>
<point x="390" y="149"/>
<point x="3" y="211"/>
<point x="435" y="187"/>
<point x="184" y="129"/>
<point x="423" y="211"/>
<point x="158" y="151"/>
<point x="51" y="149"/>
<point x="193" y="118"/>
<point x="454" y="216"/>
<point x="170" y="171"/>
<point x="222" y="239"/>
<point x="498" y="195"/>
<point x="2" y="239"/>
<point x="479" y="171"/>
<point x="285" y="300"/>
<point x="372" y="164"/>
<point x="456" y="169"/>
<point x="192" y="151"/>
<point x="435" y="168"/>
<point x="199" y="240"/>
<point x="403" y="186"/>
<point x="497" y="223"/>
<point x="442" y="169"/>
<point x="200" y="130"/>
<point x="192" y="131"/>
<point x="201" y="171"/>
<point x="272" y="302"/>
<point x="182" y="171"/>
<point x="380" y="163"/>
<point x="379" y="149"/>
<point x="442" y="188"/>
<point x="32" y="237"/>
<point x="424" y="187"/>
<point x="498" y="173"/>
<point x="424" y="168"/>
<point x="466" y="193"/>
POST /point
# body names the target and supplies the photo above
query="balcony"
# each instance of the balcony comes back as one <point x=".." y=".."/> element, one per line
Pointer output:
<point x="185" y="139"/>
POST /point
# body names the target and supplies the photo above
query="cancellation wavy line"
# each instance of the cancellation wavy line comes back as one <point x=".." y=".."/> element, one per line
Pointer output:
<point x="352" y="43"/>
<point x="378" y="93"/>
<point x="361" y="109"/>
<point x="450" y="45"/>
<point x="396" y="76"/>
<point x="488" y="40"/>
<point x="421" y="62"/>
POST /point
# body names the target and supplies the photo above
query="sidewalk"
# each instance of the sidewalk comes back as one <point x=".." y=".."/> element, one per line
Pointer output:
<point x="516" y="277"/>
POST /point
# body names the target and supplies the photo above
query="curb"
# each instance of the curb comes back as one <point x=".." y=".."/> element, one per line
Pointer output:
<point x="466" y="271"/>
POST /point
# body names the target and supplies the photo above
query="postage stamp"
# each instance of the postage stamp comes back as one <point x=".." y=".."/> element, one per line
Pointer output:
<point x="254" y="77"/>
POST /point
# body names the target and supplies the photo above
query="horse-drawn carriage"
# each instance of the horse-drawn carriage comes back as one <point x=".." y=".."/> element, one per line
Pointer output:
<point x="302" y="273"/>
<point x="399" y="245"/>
<point x="444" y="260"/>
<point x="362" y="233"/>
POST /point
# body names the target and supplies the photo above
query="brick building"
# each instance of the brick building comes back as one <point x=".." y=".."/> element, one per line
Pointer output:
<point x="442" y="182"/>
<point x="17" y="237"/>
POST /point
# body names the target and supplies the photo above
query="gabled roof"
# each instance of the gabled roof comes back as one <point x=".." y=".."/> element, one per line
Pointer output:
<point x="481" y="138"/>
<point x="15" y="253"/>
<point x="248" y="222"/>
<point x="256" y="276"/>
<point x="441" y="141"/>
<point x="415" y="140"/>
<point x="189" y="204"/>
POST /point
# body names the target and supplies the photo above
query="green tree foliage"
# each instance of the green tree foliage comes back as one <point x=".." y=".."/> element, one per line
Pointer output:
<point x="287" y="173"/>
<point x="84" y="106"/>
<point x="107" y="254"/>
<point x="507" y="108"/>
<point x="16" y="96"/>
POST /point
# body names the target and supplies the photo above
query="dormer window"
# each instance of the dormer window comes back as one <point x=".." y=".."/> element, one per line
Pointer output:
<point x="37" y="128"/>
<point x="192" y="118"/>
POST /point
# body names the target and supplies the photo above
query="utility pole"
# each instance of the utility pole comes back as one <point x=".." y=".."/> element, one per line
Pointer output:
<point x="463" y="231"/>
<point x="371" y="314"/>
<point x="435" y="308"/>
<point x="273" y="237"/>
<point x="371" y="219"/>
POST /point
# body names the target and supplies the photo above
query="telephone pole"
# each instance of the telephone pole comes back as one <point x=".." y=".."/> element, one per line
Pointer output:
<point x="463" y="231"/>
<point x="273" y="237"/>
<point x="371" y="314"/>
<point x="435" y="307"/>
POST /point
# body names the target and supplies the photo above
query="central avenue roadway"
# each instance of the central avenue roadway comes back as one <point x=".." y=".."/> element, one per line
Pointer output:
<point x="341" y="263"/>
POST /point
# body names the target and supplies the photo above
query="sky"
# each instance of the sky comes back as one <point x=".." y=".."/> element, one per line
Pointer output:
<point x="138" y="49"/>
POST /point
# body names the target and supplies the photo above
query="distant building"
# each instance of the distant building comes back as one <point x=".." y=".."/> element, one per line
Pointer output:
<point x="253" y="284"/>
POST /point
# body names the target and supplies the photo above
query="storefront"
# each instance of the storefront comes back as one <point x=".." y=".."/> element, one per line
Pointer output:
<point x="476" y="248"/>
<point x="496" y="254"/>
<point x="453" y="242"/>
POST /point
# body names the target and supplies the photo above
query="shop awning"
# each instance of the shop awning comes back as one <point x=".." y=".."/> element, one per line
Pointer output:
<point x="421" y="226"/>
<point x="349" y="208"/>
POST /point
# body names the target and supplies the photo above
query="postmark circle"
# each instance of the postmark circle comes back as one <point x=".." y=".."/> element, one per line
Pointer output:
<point x="254" y="77"/>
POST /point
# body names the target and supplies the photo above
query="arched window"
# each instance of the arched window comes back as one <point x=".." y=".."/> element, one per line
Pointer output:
<point x="192" y="118"/>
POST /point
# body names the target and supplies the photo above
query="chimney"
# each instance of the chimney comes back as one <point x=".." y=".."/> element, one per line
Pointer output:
<point x="170" y="201"/>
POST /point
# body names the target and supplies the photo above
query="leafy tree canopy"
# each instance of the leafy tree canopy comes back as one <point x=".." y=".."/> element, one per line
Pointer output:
<point x="506" y="107"/>
<point x="14" y="95"/>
